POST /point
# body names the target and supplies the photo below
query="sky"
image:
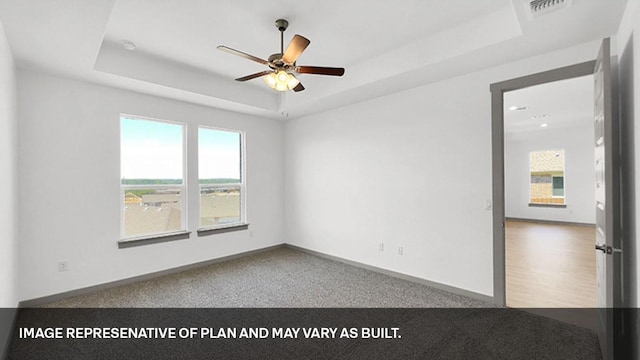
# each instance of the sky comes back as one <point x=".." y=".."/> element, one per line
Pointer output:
<point x="218" y="154"/>
<point x="154" y="150"/>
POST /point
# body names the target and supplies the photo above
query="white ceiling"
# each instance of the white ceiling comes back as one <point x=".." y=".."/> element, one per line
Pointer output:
<point x="375" y="40"/>
<point x="559" y="104"/>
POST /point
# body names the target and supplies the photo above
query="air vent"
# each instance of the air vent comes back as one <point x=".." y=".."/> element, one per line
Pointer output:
<point x="537" y="8"/>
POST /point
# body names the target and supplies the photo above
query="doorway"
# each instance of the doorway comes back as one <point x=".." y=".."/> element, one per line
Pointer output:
<point x="609" y="321"/>
<point x="498" y="163"/>
<point x="549" y="195"/>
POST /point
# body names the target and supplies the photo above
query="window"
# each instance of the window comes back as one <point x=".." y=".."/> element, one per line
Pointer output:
<point x="221" y="177"/>
<point x="558" y="186"/>
<point x="547" y="177"/>
<point x="152" y="177"/>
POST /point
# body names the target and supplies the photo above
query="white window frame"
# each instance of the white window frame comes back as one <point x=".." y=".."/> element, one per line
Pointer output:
<point x="182" y="187"/>
<point x="242" y="184"/>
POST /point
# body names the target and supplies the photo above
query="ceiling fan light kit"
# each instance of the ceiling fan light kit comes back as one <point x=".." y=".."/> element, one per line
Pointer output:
<point x="282" y="65"/>
<point x="281" y="81"/>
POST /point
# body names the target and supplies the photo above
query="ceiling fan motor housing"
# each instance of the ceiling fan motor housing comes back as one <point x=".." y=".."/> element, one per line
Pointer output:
<point x="276" y="60"/>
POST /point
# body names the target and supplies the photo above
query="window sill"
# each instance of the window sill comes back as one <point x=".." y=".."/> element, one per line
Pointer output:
<point x="556" y="206"/>
<point x="223" y="229"/>
<point x="153" y="239"/>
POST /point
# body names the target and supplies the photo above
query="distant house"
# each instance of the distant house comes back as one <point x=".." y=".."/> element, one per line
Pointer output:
<point x="158" y="199"/>
<point x="141" y="219"/>
<point x="161" y="212"/>
<point x="219" y="208"/>
<point x="130" y="199"/>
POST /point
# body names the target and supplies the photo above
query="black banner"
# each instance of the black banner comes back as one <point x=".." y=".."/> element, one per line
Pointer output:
<point x="360" y="333"/>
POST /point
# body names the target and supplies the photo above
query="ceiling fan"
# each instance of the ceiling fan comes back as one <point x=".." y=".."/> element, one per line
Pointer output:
<point x="282" y="65"/>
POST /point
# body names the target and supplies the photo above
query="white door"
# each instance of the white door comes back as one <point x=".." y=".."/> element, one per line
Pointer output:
<point x="607" y="213"/>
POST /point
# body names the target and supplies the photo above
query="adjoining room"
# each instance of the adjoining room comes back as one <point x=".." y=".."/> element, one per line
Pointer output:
<point x="549" y="182"/>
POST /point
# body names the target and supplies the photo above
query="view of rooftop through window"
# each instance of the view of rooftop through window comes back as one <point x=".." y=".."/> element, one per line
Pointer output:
<point x="220" y="177"/>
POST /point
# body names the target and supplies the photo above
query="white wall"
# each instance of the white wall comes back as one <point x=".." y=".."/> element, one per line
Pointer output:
<point x="579" y="177"/>
<point x="628" y="45"/>
<point x="8" y="190"/>
<point x="8" y="183"/>
<point x="69" y="156"/>
<point x="412" y="169"/>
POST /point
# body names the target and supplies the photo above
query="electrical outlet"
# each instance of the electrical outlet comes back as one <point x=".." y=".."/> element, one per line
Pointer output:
<point x="63" y="266"/>
<point x="381" y="247"/>
<point x="400" y="250"/>
<point x="250" y="233"/>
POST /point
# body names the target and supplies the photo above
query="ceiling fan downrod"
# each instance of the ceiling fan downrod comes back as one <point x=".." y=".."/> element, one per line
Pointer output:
<point x="282" y="25"/>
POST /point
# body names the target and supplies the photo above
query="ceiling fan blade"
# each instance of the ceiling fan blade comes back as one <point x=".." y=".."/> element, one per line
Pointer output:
<point x="253" y="76"/>
<point x="242" y="54"/>
<point x="295" y="48"/>
<point x="298" y="87"/>
<point x="320" y="70"/>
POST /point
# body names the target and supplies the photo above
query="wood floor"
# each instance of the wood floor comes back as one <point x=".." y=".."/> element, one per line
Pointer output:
<point x="550" y="265"/>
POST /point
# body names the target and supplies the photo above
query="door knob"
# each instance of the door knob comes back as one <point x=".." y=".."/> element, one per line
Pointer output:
<point x="605" y="249"/>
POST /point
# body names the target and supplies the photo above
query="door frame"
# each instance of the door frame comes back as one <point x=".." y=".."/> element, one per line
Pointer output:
<point x="497" y="158"/>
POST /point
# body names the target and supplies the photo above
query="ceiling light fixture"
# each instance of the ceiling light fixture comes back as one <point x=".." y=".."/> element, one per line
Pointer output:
<point x="281" y="80"/>
<point x="129" y="45"/>
<point x="544" y="125"/>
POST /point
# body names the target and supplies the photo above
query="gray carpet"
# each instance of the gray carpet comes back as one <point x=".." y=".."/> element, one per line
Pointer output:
<point x="283" y="277"/>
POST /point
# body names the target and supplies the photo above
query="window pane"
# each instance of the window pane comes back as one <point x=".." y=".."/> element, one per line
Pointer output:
<point x="151" y="152"/>
<point x="558" y="186"/>
<point x="220" y="177"/>
<point x="547" y="177"/>
<point x="219" y="156"/>
<point x="219" y="206"/>
<point x="152" y="211"/>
